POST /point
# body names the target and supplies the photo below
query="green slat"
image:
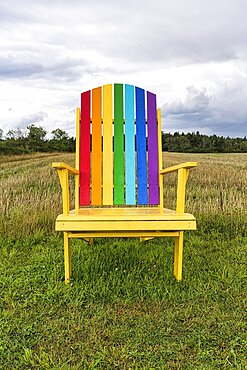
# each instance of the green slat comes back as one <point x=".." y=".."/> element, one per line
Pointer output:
<point x="118" y="145"/>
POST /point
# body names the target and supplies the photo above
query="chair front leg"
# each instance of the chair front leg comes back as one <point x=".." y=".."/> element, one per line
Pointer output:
<point x="178" y="256"/>
<point x="67" y="257"/>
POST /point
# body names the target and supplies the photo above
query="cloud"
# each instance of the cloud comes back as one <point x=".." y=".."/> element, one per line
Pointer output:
<point x="52" y="50"/>
<point x="196" y="101"/>
<point x="31" y="119"/>
<point x="223" y="113"/>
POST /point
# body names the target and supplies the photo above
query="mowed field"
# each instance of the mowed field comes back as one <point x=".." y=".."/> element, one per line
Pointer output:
<point x="123" y="308"/>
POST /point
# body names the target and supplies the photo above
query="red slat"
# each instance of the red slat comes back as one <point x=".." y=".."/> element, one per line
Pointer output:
<point x="85" y="150"/>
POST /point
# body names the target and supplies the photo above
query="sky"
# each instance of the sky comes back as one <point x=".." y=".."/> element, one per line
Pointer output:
<point x="191" y="53"/>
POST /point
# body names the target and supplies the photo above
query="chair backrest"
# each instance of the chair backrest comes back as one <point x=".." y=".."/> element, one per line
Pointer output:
<point x="118" y="147"/>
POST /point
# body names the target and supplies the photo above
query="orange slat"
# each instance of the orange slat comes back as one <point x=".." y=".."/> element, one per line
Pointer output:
<point x="96" y="147"/>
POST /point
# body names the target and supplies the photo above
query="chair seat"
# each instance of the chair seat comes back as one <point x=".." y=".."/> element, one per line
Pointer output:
<point x="136" y="218"/>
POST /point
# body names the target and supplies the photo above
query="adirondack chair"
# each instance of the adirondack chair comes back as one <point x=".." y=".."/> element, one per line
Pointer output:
<point x="121" y="127"/>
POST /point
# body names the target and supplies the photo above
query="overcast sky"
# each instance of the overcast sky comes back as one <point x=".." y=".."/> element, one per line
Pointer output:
<point x="192" y="53"/>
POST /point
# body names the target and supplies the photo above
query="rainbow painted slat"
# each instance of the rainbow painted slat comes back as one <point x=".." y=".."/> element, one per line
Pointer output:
<point x="124" y="164"/>
<point x="85" y="150"/>
<point x="96" y="147"/>
<point x="130" y="167"/>
<point x="153" y="179"/>
<point x="118" y="145"/>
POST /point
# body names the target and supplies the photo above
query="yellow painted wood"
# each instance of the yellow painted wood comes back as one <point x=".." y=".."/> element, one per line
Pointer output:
<point x="64" y="181"/>
<point x="125" y="214"/>
<point x="182" y="178"/>
<point x="143" y="222"/>
<point x="178" y="256"/>
<point x="67" y="258"/>
<point x="64" y="166"/>
<point x="172" y="225"/>
<point x="77" y="158"/>
<point x="121" y="234"/>
<point x="107" y="146"/>
<point x="161" y="205"/>
<point x="178" y="166"/>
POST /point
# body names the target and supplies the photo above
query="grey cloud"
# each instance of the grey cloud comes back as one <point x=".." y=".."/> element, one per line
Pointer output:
<point x="193" y="31"/>
<point x="32" y="118"/>
<point x="218" y="113"/>
<point x="66" y="70"/>
<point x="197" y="100"/>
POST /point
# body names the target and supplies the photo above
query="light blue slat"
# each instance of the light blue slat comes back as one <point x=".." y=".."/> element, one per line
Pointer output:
<point x="130" y="145"/>
<point x="141" y="147"/>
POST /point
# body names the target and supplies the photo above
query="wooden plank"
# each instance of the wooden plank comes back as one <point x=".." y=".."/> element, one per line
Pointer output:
<point x="160" y="159"/>
<point x="119" y="234"/>
<point x="85" y="150"/>
<point x="125" y="225"/>
<point x="153" y="171"/>
<point x="107" y="146"/>
<point x="118" y="145"/>
<point x="96" y="147"/>
<point x="187" y="165"/>
<point x="77" y="158"/>
<point x="131" y="214"/>
<point x="142" y="194"/>
<point x="130" y="146"/>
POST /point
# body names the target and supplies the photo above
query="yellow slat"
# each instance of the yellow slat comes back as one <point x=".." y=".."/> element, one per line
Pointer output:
<point x="123" y="214"/>
<point x="98" y="226"/>
<point x="127" y="234"/>
<point x="160" y="158"/>
<point x="77" y="157"/>
<point x="107" y="146"/>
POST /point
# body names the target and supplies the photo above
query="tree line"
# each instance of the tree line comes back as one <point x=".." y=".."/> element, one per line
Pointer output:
<point x="194" y="142"/>
<point x="34" y="139"/>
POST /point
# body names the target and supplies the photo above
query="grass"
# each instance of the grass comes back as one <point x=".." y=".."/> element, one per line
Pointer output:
<point x="123" y="309"/>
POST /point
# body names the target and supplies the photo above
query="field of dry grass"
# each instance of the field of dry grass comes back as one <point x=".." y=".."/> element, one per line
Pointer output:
<point x="30" y="196"/>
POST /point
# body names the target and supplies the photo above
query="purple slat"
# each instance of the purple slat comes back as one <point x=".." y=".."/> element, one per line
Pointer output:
<point x="153" y="177"/>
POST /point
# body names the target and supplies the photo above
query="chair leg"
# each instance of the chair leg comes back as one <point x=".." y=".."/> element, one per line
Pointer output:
<point x="67" y="257"/>
<point x="178" y="256"/>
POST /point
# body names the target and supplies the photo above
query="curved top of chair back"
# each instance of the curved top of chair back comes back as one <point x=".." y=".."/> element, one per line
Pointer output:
<point x="118" y="125"/>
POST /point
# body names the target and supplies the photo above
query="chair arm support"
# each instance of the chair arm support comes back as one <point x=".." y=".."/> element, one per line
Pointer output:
<point x="183" y="172"/>
<point x="186" y="165"/>
<point x="64" y="166"/>
<point x="63" y="173"/>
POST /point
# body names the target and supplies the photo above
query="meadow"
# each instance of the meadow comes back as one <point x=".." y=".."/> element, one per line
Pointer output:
<point x="123" y="309"/>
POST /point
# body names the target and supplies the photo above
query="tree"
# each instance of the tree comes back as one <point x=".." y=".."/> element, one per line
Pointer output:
<point x="16" y="134"/>
<point x="60" y="141"/>
<point x="36" y="138"/>
<point x="59" y="134"/>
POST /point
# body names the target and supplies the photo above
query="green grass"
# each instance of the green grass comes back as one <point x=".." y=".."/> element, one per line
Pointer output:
<point x="123" y="309"/>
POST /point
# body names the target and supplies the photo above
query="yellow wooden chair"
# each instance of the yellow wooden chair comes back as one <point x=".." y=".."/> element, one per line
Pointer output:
<point x="119" y="174"/>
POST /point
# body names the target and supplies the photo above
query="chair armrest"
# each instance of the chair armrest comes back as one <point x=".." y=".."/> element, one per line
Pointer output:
<point x="63" y="172"/>
<point x="183" y="172"/>
<point x="64" y="166"/>
<point x="186" y="165"/>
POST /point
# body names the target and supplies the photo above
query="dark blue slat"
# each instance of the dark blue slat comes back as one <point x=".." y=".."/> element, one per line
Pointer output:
<point x="142" y="193"/>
